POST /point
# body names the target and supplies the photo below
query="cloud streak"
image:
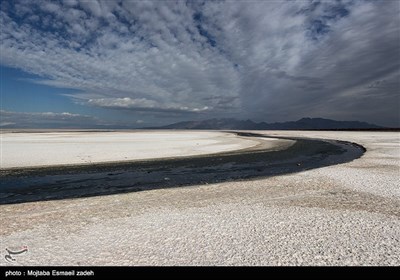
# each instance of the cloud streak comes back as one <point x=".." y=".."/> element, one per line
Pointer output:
<point x="11" y="119"/>
<point x="268" y="61"/>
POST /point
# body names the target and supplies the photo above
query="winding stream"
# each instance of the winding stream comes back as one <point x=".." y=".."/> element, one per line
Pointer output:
<point x="27" y="185"/>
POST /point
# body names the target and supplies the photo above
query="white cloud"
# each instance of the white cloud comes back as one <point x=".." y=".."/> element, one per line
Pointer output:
<point x="265" y="60"/>
<point x="6" y="123"/>
<point x="92" y="6"/>
<point x="143" y="104"/>
<point x="46" y="119"/>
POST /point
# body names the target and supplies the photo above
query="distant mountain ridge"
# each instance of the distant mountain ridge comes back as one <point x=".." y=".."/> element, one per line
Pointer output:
<point x="302" y="124"/>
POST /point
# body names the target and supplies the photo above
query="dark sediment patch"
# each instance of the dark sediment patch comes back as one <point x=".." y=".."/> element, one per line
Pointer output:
<point x="35" y="184"/>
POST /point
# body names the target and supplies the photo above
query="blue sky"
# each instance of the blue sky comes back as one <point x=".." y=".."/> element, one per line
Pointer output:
<point x="142" y="63"/>
<point x="26" y="95"/>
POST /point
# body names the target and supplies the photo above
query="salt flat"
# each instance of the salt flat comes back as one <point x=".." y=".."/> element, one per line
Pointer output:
<point x="65" y="148"/>
<point x="347" y="214"/>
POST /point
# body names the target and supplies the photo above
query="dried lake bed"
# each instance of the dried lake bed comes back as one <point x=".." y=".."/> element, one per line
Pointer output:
<point x="342" y="214"/>
<point x="24" y="149"/>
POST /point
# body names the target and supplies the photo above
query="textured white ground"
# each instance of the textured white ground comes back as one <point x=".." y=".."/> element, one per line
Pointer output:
<point x="63" y="148"/>
<point x="347" y="214"/>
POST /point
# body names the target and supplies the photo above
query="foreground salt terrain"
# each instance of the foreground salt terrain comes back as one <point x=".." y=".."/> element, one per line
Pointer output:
<point x="347" y="214"/>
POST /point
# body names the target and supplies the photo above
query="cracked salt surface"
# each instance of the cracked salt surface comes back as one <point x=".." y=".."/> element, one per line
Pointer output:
<point x="346" y="214"/>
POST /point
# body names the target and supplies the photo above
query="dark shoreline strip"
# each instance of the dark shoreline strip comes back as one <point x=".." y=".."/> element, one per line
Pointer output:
<point x="104" y="179"/>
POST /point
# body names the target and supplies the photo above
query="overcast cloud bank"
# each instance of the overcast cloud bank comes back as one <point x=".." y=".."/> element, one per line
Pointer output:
<point x="265" y="60"/>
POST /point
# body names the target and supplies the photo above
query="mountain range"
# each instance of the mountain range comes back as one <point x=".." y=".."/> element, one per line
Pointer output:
<point x="302" y="124"/>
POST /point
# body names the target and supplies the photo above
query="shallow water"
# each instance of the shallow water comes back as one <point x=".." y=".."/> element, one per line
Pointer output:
<point x="81" y="181"/>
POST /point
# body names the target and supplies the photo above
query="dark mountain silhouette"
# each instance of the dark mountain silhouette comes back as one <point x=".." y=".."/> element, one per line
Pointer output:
<point x="304" y="123"/>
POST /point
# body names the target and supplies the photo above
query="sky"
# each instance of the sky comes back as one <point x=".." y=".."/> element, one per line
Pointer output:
<point x="97" y="63"/>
